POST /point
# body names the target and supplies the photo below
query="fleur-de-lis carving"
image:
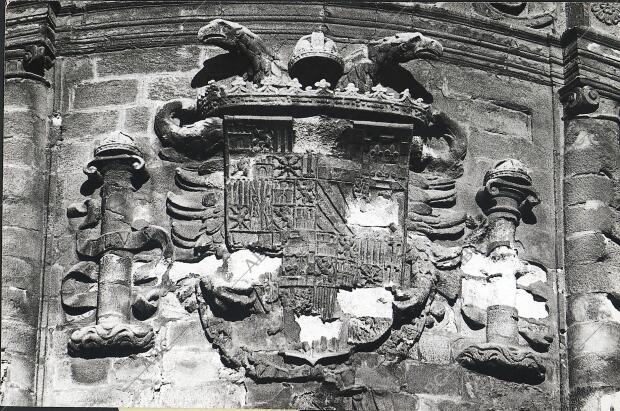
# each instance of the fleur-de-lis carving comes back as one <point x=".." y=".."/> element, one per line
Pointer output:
<point x="295" y="85"/>
<point x="381" y="92"/>
<point x="238" y="85"/>
<point x="351" y="89"/>
<point x="322" y="84"/>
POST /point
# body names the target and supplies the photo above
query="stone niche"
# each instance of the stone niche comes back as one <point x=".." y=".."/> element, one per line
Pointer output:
<point x="295" y="205"/>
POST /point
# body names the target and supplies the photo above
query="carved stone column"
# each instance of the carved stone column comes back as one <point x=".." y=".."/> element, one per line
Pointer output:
<point x="507" y="193"/>
<point x="591" y="203"/>
<point x="28" y="137"/>
<point x="592" y="248"/>
<point x="118" y="165"/>
<point x="508" y="187"/>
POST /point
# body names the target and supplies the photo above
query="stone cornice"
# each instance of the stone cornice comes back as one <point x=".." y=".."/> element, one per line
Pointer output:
<point x="30" y="38"/>
<point x="474" y="41"/>
<point x="591" y="58"/>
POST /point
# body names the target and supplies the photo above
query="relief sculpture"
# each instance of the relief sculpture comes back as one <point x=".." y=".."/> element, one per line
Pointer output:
<point x="315" y="207"/>
<point x="103" y="281"/>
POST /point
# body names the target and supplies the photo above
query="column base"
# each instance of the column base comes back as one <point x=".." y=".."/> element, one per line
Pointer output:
<point x="506" y="362"/>
<point x="111" y="340"/>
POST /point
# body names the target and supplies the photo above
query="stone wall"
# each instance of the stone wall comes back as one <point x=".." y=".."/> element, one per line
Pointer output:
<point x="505" y="73"/>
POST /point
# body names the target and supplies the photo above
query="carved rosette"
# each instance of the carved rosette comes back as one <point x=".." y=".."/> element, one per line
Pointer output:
<point x="608" y="13"/>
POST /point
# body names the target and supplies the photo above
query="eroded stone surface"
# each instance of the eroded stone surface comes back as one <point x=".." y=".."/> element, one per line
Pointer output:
<point x="369" y="242"/>
<point x="366" y="302"/>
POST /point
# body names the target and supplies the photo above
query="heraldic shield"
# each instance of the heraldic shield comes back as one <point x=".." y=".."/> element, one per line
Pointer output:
<point x="335" y="214"/>
<point x="303" y="243"/>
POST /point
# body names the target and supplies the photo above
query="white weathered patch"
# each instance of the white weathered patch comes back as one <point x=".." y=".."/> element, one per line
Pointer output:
<point x="380" y="212"/>
<point x="246" y="266"/>
<point x="474" y="264"/>
<point x="157" y="271"/>
<point x="593" y="204"/>
<point x="528" y="307"/>
<point x="428" y="152"/>
<point x="583" y="140"/>
<point x="313" y="328"/>
<point x="366" y="302"/>
<point x="205" y="267"/>
<point x="476" y="293"/>
<point x="534" y="274"/>
<point x="170" y="308"/>
<point x="478" y="265"/>
<point x="492" y="281"/>
<point x="609" y="401"/>
<point x="448" y="323"/>
<point x="214" y="180"/>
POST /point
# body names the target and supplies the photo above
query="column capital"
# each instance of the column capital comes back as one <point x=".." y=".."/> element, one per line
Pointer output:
<point x="581" y="100"/>
<point x="591" y="43"/>
<point x="118" y="150"/>
<point x="509" y="191"/>
<point x="30" y="38"/>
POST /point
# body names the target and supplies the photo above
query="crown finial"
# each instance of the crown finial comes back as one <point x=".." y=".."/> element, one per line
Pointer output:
<point x="117" y="142"/>
<point x="315" y="57"/>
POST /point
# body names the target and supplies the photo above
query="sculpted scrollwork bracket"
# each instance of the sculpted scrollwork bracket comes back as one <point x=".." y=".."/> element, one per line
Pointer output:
<point x="30" y="39"/>
<point x="581" y="100"/>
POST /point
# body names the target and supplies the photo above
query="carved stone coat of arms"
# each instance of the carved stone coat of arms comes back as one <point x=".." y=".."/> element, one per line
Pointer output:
<point x="312" y="218"/>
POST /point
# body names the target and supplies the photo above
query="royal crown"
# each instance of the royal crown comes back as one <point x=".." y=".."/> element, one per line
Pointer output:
<point x="272" y="97"/>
